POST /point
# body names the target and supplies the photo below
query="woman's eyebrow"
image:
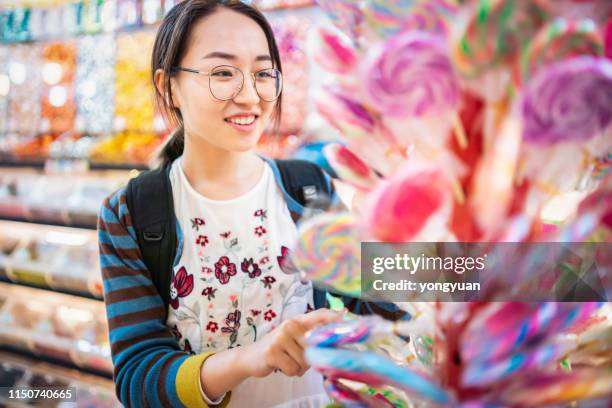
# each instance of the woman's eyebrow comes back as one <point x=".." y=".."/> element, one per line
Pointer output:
<point x="224" y="55"/>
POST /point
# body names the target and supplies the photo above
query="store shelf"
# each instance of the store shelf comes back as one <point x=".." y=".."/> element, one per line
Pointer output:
<point x="55" y="199"/>
<point x="55" y="326"/>
<point x="61" y="259"/>
<point x="18" y="370"/>
<point x="42" y="163"/>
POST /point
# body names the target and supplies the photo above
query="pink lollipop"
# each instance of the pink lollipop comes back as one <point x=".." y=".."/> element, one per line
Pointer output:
<point x="413" y="203"/>
<point x="569" y="101"/>
<point x="345" y="14"/>
<point x="349" y="167"/>
<point x="412" y="75"/>
<point x="335" y="55"/>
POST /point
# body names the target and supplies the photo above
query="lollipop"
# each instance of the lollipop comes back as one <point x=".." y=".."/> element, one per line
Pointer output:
<point x="349" y="167"/>
<point x="560" y="40"/>
<point x="362" y="130"/>
<point x="412" y="75"/>
<point x="328" y="252"/>
<point x="375" y="370"/>
<point x="411" y="205"/>
<point x="569" y="101"/>
<point x="492" y="35"/>
<point x="345" y="14"/>
<point x="430" y="16"/>
<point x="386" y="17"/>
<point x="335" y="55"/>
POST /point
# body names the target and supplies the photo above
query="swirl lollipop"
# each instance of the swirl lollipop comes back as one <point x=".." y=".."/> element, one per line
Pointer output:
<point x="385" y="17"/>
<point x="570" y="101"/>
<point x="411" y="75"/>
<point x="328" y="251"/>
<point x="560" y="40"/>
<point x="430" y="16"/>
<point x="345" y="14"/>
<point x="492" y="35"/>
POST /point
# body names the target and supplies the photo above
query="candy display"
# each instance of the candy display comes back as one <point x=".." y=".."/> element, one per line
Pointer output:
<point x="24" y="112"/>
<point x="133" y="98"/>
<point x="62" y="325"/>
<point x="58" y="74"/>
<point x="524" y="86"/>
<point x="95" y="83"/>
<point x="325" y="238"/>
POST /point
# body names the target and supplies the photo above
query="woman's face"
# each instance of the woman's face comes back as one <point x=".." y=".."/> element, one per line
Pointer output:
<point x="223" y="38"/>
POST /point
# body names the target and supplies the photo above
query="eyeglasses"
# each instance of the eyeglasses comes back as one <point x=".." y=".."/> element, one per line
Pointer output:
<point x="225" y="82"/>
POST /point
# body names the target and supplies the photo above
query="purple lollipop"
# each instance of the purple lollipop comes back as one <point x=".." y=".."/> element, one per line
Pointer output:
<point x="568" y="101"/>
<point x="411" y="75"/>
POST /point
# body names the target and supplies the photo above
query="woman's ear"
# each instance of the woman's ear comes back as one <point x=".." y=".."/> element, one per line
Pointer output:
<point x="160" y="84"/>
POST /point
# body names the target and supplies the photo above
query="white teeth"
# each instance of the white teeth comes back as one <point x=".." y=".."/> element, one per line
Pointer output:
<point x="242" y="120"/>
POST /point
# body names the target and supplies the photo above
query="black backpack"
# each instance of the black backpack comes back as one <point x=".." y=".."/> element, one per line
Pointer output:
<point x="150" y="203"/>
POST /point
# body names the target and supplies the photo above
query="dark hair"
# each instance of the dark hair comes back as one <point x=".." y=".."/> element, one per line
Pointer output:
<point x="170" y="47"/>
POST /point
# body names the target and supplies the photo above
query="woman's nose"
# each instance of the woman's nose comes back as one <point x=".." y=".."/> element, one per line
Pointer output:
<point x="248" y="93"/>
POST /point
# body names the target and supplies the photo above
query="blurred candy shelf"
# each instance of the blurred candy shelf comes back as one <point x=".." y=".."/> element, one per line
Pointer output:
<point x="63" y="259"/>
<point x="20" y="371"/>
<point x="56" y="199"/>
<point x="59" y="326"/>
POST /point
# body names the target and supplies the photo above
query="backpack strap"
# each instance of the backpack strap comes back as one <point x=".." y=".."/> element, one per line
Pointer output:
<point x="150" y="203"/>
<point x="305" y="182"/>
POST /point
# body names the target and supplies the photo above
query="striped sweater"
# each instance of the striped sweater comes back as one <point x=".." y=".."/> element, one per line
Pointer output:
<point x="149" y="367"/>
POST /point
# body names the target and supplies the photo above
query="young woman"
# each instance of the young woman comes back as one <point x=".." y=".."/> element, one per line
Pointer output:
<point x="236" y="321"/>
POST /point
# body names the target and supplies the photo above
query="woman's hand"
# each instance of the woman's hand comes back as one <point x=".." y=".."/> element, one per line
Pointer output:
<point x="283" y="348"/>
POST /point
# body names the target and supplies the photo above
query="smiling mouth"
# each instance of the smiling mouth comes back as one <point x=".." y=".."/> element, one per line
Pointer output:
<point x="243" y="120"/>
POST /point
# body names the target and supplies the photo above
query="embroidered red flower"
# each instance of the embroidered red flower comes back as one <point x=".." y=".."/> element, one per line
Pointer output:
<point x="255" y="312"/>
<point x="212" y="326"/>
<point x="196" y="223"/>
<point x="232" y="322"/>
<point x="285" y="262"/>
<point x="268" y="281"/>
<point x="250" y="267"/>
<point x="176" y="333"/>
<point x="202" y="240"/>
<point x="181" y="286"/>
<point x="209" y="292"/>
<point x="225" y="235"/>
<point x="269" y="315"/>
<point x="224" y="269"/>
<point x="259" y="231"/>
<point x="261" y="213"/>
